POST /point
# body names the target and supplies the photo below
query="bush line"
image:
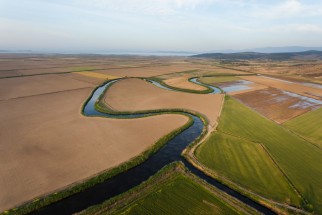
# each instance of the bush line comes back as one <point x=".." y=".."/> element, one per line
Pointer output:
<point x="159" y="80"/>
<point x="41" y="202"/>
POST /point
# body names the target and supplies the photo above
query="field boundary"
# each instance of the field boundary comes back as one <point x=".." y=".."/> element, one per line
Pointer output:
<point x="153" y="183"/>
<point x="189" y="155"/>
<point x="44" y="200"/>
<point x="160" y="81"/>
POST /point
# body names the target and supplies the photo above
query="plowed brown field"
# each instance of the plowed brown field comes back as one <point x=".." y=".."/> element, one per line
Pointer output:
<point x="46" y="144"/>
<point x="285" y="85"/>
<point x="274" y="104"/>
<point x="135" y="94"/>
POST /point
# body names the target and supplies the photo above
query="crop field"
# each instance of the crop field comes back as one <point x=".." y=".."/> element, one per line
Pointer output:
<point x="36" y="85"/>
<point x="48" y="144"/>
<point x="172" y="192"/>
<point x="308" y="125"/>
<point x="215" y="80"/>
<point x="290" y="86"/>
<point x="264" y="142"/>
<point x="96" y="75"/>
<point x="278" y="105"/>
<point x="179" y="195"/>
<point x="183" y="83"/>
<point x="299" y="160"/>
<point x="290" y="70"/>
<point x="154" y="70"/>
<point x="246" y="163"/>
<point x="239" y="86"/>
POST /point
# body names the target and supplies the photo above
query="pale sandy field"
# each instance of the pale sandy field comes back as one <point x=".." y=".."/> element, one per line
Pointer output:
<point x="46" y="144"/>
<point x="135" y="94"/>
<point x="182" y="82"/>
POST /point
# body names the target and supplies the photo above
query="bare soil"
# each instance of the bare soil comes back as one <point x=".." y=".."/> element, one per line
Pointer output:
<point x="149" y="71"/>
<point x="46" y="144"/>
<point x="35" y="85"/>
<point x="135" y="94"/>
<point x="183" y="83"/>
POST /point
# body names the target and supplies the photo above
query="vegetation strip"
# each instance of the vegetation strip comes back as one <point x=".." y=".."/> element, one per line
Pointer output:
<point x="51" y="198"/>
<point x="168" y="176"/>
<point x="207" y="91"/>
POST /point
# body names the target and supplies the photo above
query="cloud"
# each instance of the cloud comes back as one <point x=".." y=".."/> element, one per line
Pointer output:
<point x="307" y="28"/>
<point x="287" y="9"/>
<point x="150" y="7"/>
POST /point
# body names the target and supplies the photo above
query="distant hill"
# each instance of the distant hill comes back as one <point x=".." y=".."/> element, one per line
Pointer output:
<point x="306" y="55"/>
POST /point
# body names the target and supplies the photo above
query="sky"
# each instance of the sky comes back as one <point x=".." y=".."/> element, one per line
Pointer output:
<point x="158" y="25"/>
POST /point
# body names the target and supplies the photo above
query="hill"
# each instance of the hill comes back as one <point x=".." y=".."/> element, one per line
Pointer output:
<point x="306" y="55"/>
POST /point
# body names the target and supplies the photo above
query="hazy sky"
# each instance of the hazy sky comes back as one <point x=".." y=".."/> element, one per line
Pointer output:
<point x="154" y="25"/>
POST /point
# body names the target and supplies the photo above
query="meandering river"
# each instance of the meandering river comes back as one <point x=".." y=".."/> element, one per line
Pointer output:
<point x="122" y="182"/>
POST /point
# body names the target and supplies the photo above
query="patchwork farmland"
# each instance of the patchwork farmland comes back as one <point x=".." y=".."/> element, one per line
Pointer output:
<point x="71" y="124"/>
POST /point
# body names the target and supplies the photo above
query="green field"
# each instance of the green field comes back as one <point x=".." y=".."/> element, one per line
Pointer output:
<point x="171" y="191"/>
<point x="218" y="79"/>
<point x="300" y="160"/>
<point x="178" y="196"/>
<point x="308" y="125"/>
<point x="247" y="164"/>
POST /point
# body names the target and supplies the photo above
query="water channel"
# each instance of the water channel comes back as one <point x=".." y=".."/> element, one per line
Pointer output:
<point x="124" y="181"/>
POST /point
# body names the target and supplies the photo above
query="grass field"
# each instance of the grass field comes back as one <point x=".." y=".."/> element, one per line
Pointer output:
<point x="179" y="195"/>
<point x="300" y="160"/>
<point x="211" y="80"/>
<point x="308" y="125"/>
<point x="170" y="191"/>
<point x="247" y="164"/>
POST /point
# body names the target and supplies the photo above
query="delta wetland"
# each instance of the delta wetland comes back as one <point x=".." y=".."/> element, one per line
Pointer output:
<point x="258" y="136"/>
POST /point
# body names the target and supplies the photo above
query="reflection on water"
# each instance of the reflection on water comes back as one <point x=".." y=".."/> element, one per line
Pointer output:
<point x="215" y="89"/>
<point x="237" y="86"/>
<point x="305" y="102"/>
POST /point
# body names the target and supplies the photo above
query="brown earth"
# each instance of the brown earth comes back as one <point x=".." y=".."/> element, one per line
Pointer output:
<point x="184" y="83"/>
<point x="287" y="86"/>
<point x="148" y="71"/>
<point x="46" y="144"/>
<point x="87" y="79"/>
<point x="135" y="94"/>
<point x="34" y="85"/>
<point x="273" y="104"/>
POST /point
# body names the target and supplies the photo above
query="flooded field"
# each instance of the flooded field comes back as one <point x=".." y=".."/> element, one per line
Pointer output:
<point x="278" y="105"/>
<point x="239" y="86"/>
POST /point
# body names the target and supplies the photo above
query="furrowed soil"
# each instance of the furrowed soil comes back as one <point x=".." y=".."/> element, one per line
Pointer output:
<point x="287" y="86"/>
<point x="183" y="83"/>
<point x="46" y="144"/>
<point x="135" y="94"/>
<point x="274" y="104"/>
